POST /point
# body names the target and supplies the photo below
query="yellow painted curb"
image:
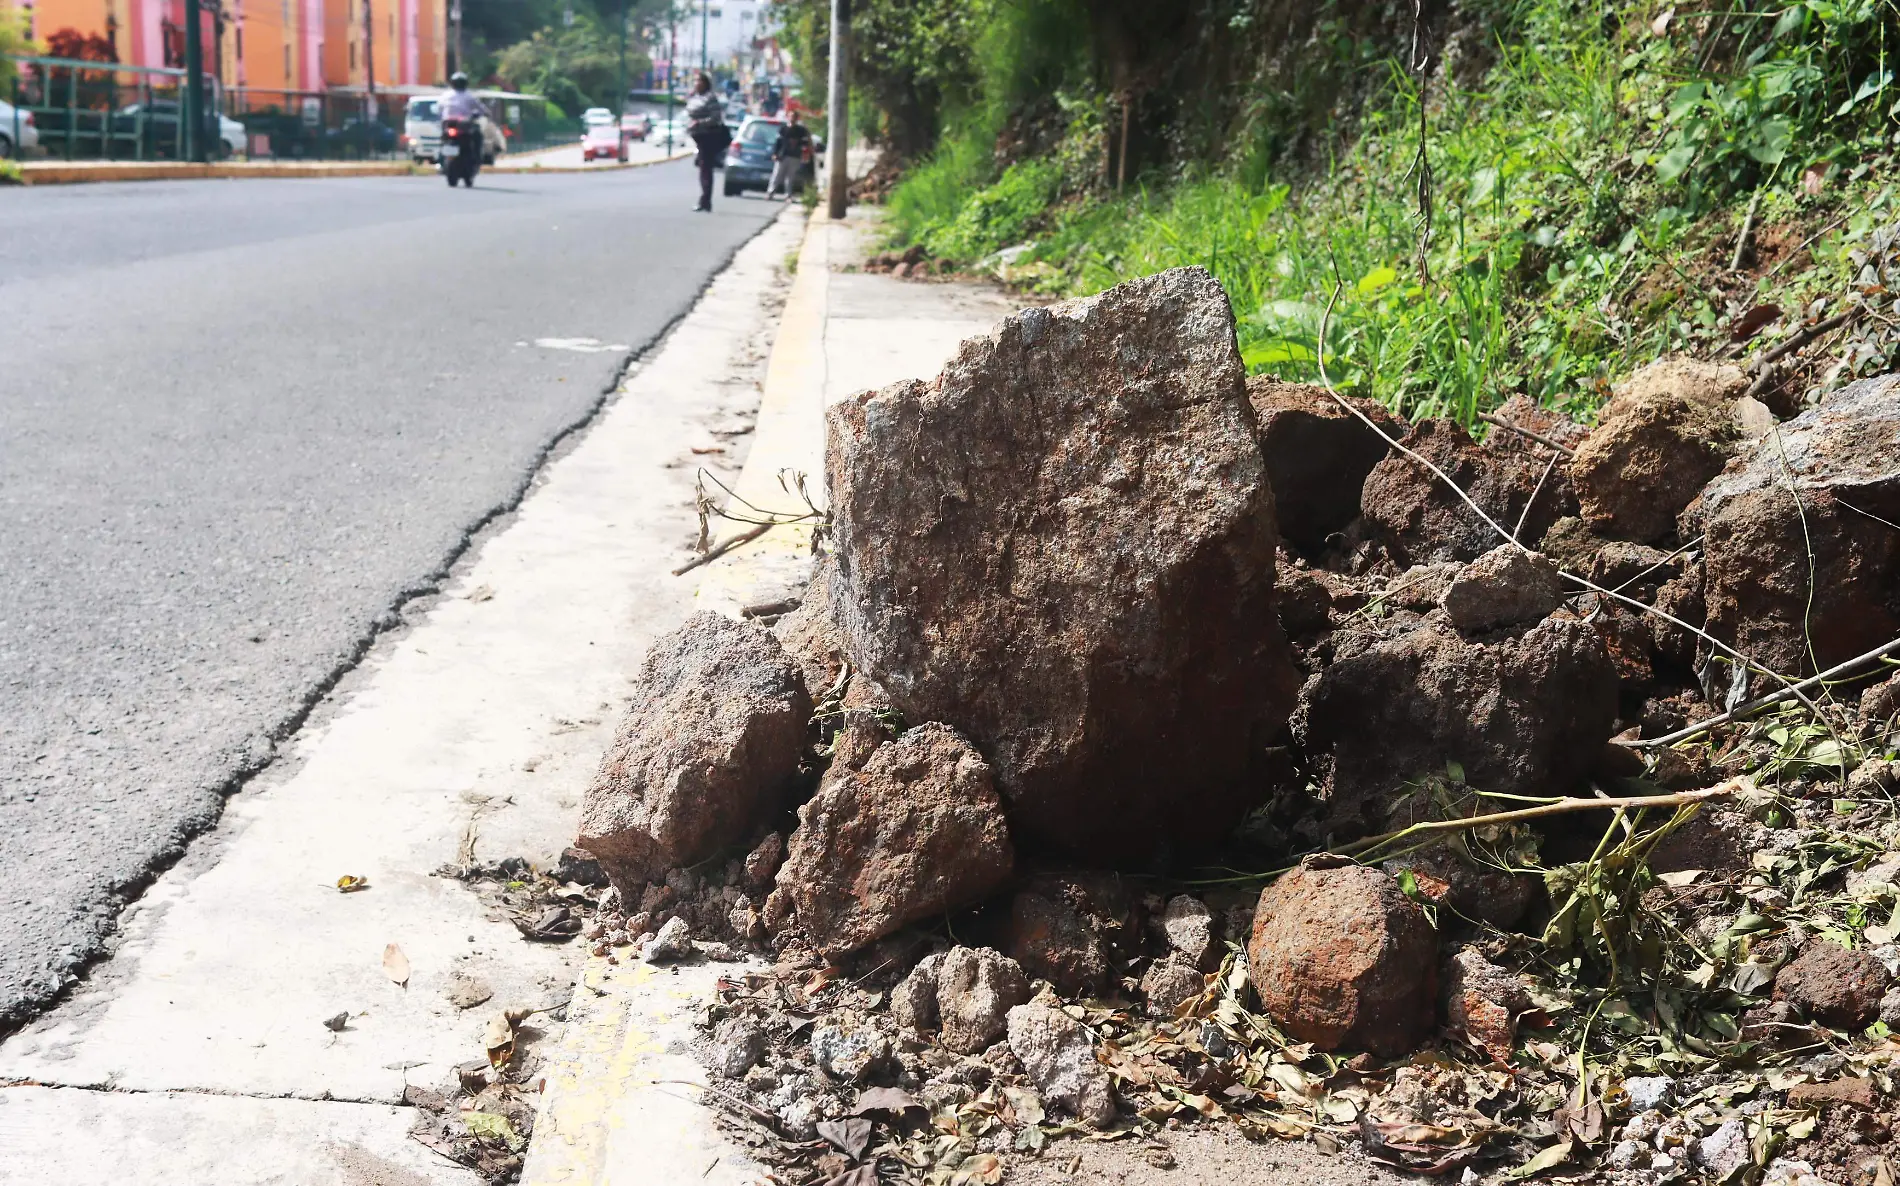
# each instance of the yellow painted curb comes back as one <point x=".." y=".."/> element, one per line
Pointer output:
<point x="789" y="439"/>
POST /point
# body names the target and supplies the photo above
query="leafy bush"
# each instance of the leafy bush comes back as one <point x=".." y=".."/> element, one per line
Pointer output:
<point x="998" y="215"/>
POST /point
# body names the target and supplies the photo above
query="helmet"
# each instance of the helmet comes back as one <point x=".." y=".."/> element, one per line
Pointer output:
<point x="459" y="81"/>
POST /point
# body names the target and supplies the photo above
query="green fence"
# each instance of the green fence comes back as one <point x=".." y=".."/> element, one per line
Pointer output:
<point x="86" y="110"/>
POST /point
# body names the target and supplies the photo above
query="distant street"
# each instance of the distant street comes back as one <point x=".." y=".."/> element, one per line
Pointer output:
<point x="239" y="421"/>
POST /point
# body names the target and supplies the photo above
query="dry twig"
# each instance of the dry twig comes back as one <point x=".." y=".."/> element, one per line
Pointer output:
<point x="1559" y="807"/>
<point x="1520" y="430"/>
<point x="1742" y="711"/>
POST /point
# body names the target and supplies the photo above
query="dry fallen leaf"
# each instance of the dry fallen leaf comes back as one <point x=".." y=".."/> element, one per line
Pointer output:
<point x="396" y="965"/>
<point x="499" y="1040"/>
<point x="349" y="883"/>
<point x="850" y="1136"/>
<point x="338" y="1023"/>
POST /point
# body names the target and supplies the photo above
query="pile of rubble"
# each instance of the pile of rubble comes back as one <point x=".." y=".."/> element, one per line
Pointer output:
<point x="1041" y="797"/>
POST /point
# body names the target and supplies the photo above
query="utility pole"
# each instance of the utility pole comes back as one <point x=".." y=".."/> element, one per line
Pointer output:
<point x="672" y="67"/>
<point x="195" y="146"/>
<point x="838" y="135"/>
<point x="369" y="71"/>
<point x="620" y="104"/>
<point x="455" y="15"/>
<point x="705" y="14"/>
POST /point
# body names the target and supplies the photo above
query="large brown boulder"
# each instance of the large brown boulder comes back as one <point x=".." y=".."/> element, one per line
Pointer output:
<point x="811" y="638"/>
<point x="1830" y="479"/>
<point x="897" y="832"/>
<point x="1524" y="712"/>
<point x="1064" y="547"/>
<point x="714" y="733"/>
<point x="1318" y="455"/>
<point x="1668" y="430"/>
<point x="1421" y="520"/>
<point x="1343" y="959"/>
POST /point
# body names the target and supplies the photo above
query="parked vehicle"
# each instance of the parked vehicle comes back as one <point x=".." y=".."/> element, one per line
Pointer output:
<point x="356" y="136"/>
<point x="749" y="160"/>
<point x="422" y="128"/>
<point x="17" y="130"/>
<point x="673" y="129"/>
<point x="602" y="142"/>
<point x="596" y="115"/>
<point x="231" y="132"/>
<point x="153" y="129"/>
<point x="637" y="127"/>
<point x="461" y="152"/>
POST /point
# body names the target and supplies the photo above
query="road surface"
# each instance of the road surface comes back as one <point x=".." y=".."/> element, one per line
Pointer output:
<point x="240" y="424"/>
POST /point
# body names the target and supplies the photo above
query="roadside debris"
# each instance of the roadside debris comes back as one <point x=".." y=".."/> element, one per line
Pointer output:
<point x="1478" y="815"/>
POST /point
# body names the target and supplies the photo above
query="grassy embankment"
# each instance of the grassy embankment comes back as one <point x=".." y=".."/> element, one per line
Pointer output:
<point x="1590" y="176"/>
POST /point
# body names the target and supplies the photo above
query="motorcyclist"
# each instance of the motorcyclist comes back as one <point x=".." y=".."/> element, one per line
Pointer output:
<point x="460" y="102"/>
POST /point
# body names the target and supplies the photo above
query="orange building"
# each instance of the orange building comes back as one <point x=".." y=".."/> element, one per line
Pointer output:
<point x="278" y="45"/>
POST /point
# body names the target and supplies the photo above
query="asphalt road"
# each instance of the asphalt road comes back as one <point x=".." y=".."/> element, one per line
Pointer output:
<point x="239" y="423"/>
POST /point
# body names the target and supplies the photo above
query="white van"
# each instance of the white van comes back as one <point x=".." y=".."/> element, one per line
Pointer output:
<point x="422" y="128"/>
<point x="422" y="131"/>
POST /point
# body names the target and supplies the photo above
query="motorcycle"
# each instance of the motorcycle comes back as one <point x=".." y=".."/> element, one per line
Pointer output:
<point x="461" y="151"/>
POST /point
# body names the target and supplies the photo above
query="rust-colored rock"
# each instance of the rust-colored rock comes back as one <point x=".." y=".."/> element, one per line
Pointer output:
<point x="1506" y="586"/>
<point x="1345" y="961"/>
<point x="1064" y="548"/>
<point x="1318" y="455"/>
<point x="1832" y="985"/>
<point x="1850" y="1092"/>
<point x="1068" y="929"/>
<point x="1527" y="413"/>
<point x="1667" y="431"/>
<point x="1482" y="1002"/>
<point x="897" y="832"/>
<point x="812" y="640"/>
<point x="1880" y="704"/>
<point x="704" y="753"/>
<point x="1421" y="520"/>
<point x="1843" y="458"/>
<point x="1446" y="876"/>
<point x="1524" y="713"/>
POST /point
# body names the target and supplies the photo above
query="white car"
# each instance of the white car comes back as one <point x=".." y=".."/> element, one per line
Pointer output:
<point x="17" y="131"/>
<point x="422" y="132"/>
<point x="232" y="133"/>
<point x="596" y="115"/>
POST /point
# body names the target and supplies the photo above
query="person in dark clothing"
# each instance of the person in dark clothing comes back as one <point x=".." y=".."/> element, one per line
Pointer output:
<point x="788" y="156"/>
<point x="706" y="124"/>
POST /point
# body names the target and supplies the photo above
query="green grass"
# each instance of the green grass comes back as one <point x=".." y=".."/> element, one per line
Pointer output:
<point x="1586" y="197"/>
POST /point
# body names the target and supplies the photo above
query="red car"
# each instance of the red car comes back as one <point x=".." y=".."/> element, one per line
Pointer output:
<point x="604" y="141"/>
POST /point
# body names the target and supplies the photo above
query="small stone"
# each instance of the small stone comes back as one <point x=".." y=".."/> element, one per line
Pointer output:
<point x="1890" y="1009"/>
<point x="1853" y="1092"/>
<point x="466" y="991"/>
<point x="914" y="1000"/>
<point x="1190" y="929"/>
<point x="673" y="943"/>
<point x="1724" y="1151"/>
<point x="1864" y="883"/>
<point x="761" y="864"/>
<point x="976" y="989"/>
<point x="1170" y="983"/>
<point x="1833" y="985"/>
<point x="1062" y="927"/>
<point x="1059" y="1056"/>
<point x="845" y="1049"/>
<point x="1482" y="1002"/>
<point x="1648" y="1092"/>
<point x="1785" y="1171"/>
<point x="1626" y="1155"/>
<point x="1506" y="586"/>
<point x="737" y="1046"/>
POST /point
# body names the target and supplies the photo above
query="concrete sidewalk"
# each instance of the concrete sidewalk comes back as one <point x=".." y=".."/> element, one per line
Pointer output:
<point x="617" y="1109"/>
<point x="199" y="1052"/>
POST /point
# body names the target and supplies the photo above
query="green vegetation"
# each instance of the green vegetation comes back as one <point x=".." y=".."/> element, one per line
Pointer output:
<point x="1591" y="167"/>
<point x="531" y="45"/>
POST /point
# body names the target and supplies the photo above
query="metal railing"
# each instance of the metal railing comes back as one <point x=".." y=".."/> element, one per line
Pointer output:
<point x="85" y="110"/>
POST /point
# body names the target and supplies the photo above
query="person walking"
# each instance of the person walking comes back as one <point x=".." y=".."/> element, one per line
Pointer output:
<point x="788" y="155"/>
<point x="706" y="124"/>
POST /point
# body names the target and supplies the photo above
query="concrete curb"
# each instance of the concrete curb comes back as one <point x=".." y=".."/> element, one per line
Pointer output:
<point x="617" y="1091"/>
<point x="790" y="440"/>
<point x="79" y="172"/>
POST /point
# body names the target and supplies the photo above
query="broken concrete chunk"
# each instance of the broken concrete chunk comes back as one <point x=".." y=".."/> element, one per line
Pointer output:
<point x="1318" y="455"/>
<point x="1668" y="430"/>
<point x="1189" y="927"/>
<point x="1344" y="960"/>
<point x="1064" y="548"/>
<point x="1059" y="1056"/>
<point x="1506" y="586"/>
<point x="976" y="989"/>
<point x="896" y="833"/>
<point x="737" y="1046"/>
<point x="1843" y="459"/>
<point x="1170" y="983"/>
<point x="846" y="1048"/>
<point x="673" y="943"/>
<point x="706" y="749"/>
<point x="914" y="1000"/>
<point x="1421" y="520"/>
